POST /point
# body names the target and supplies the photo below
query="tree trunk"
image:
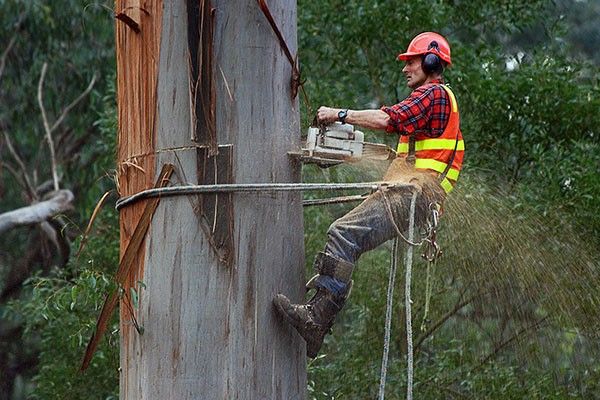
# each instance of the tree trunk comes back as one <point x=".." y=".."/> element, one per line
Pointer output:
<point x="206" y="87"/>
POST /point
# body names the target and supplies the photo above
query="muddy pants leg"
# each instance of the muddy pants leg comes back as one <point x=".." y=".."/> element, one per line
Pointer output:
<point x="362" y="229"/>
<point x="369" y="225"/>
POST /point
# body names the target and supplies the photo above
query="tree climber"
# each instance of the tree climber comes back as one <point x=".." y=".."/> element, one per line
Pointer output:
<point x="430" y="154"/>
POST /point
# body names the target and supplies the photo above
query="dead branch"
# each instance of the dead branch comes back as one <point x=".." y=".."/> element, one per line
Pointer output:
<point x="457" y="307"/>
<point x="36" y="213"/>
<point x="537" y="324"/>
<point x="28" y="185"/>
<point x="97" y="209"/>
<point x="14" y="173"/>
<point x="47" y="125"/>
<point x="4" y="55"/>
<point x="68" y="108"/>
<point x="49" y="129"/>
<point x="44" y="188"/>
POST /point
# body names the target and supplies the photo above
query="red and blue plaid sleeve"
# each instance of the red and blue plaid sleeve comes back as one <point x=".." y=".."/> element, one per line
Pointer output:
<point x="426" y="110"/>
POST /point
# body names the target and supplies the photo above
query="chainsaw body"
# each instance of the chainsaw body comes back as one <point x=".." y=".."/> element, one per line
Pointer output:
<point x="338" y="143"/>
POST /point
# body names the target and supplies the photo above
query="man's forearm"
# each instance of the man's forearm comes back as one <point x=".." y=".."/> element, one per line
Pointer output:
<point x="370" y="119"/>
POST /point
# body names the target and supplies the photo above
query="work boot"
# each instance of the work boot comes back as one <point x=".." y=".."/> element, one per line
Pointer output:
<point x="314" y="319"/>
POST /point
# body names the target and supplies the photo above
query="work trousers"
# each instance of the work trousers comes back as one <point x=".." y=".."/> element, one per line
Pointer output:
<point x="369" y="225"/>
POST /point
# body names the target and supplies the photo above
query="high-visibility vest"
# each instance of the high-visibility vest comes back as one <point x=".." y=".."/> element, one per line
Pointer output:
<point x="443" y="154"/>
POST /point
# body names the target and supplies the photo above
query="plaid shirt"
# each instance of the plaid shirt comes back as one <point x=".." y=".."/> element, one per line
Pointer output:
<point x="426" y="110"/>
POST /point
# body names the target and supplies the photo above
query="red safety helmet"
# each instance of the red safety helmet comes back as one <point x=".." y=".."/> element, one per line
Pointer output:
<point x="428" y="42"/>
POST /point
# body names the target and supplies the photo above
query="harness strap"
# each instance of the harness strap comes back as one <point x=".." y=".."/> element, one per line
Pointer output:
<point x="449" y="165"/>
<point x="411" y="157"/>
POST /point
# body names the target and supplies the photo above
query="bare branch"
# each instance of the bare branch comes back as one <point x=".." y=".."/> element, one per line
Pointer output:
<point x="50" y="129"/>
<point x="537" y="324"/>
<point x="39" y="212"/>
<point x="50" y="233"/>
<point x="457" y="307"/>
<point x="47" y="125"/>
<point x="11" y="149"/>
<point x="14" y="173"/>
<point x="73" y="104"/>
<point x="44" y="188"/>
<point x="4" y="55"/>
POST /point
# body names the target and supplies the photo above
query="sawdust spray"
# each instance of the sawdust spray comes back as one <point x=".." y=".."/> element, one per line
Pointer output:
<point x="529" y="281"/>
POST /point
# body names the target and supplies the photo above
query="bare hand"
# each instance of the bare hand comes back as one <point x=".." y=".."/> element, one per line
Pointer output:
<point x="327" y="115"/>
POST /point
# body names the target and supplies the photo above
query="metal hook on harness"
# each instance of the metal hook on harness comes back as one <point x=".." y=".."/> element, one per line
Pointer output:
<point x="432" y="249"/>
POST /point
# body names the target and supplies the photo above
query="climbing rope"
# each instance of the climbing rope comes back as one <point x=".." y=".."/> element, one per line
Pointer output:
<point x="408" y="301"/>
<point x="428" y="293"/>
<point x="390" y="294"/>
<point x="388" y="320"/>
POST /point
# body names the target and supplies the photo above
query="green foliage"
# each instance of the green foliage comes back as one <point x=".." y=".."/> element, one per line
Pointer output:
<point x="75" y="38"/>
<point x="52" y="315"/>
<point x="59" y="317"/>
<point x="510" y="313"/>
<point x="541" y="123"/>
<point x="514" y="292"/>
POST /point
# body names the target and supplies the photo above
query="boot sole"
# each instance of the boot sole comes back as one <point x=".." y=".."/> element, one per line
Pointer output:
<point x="311" y="351"/>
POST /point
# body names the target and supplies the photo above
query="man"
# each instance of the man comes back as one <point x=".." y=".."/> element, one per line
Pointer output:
<point x="430" y="153"/>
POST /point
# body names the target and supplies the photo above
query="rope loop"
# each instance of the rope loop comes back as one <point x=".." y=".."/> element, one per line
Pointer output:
<point x="250" y="188"/>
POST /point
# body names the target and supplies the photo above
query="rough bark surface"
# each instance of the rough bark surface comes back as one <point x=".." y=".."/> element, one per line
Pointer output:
<point x="210" y="331"/>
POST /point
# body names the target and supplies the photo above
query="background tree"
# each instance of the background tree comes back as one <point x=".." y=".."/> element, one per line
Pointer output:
<point x="56" y="71"/>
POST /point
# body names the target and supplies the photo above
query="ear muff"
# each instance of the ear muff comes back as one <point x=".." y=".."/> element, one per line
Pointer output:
<point x="431" y="62"/>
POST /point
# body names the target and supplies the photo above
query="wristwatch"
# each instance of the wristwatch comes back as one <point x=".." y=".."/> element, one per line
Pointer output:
<point x="342" y="114"/>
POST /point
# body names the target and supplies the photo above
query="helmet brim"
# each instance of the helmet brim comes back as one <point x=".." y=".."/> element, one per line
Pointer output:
<point x="407" y="55"/>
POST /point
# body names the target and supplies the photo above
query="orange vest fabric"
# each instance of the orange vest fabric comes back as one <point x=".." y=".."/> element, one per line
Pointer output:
<point x="434" y="154"/>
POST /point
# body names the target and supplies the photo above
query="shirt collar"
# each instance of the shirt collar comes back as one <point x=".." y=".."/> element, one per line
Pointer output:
<point x="439" y="81"/>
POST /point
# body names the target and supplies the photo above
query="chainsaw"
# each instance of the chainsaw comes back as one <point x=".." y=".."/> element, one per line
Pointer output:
<point x="338" y="143"/>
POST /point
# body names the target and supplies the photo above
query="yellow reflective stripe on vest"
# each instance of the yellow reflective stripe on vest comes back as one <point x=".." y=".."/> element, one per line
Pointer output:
<point x="433" y="144"/>
<point x="438" y="166"/>
<point x="402" y="148"/>
<point x="446" y="185"/>
<point x="452" y="98"/>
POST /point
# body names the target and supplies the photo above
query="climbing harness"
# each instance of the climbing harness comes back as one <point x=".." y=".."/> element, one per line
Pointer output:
<point x="432" y="251"/>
